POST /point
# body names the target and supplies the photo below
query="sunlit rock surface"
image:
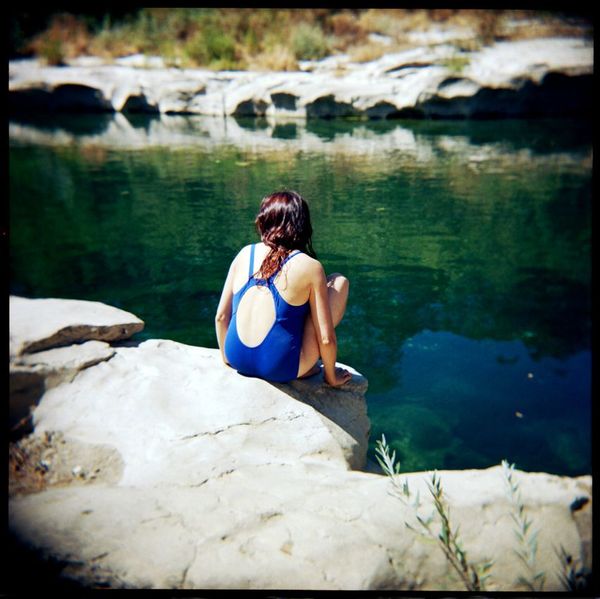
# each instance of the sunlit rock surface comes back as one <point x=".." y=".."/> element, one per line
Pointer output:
<point x="166" y="469"/>
<point x="540" y="77"/>
<point x="37" y="324"/>
<point x="51" y="340"/>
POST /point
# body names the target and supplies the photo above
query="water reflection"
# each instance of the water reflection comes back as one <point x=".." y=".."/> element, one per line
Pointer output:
<point x="467" y="140"/>
<point x="475" y="233"/>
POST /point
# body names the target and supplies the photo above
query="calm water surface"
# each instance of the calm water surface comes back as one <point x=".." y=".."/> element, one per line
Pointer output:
<point x="467" y="245"/>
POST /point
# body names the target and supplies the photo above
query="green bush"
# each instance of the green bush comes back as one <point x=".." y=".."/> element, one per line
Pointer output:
<point x="456" y="63"/>
<point x="52" y="52"/>
<point x="309" y="42"/>
<point x="212" y="47"/>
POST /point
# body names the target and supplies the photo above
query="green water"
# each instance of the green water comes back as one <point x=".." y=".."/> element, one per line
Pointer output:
<point x="467" y="245"/>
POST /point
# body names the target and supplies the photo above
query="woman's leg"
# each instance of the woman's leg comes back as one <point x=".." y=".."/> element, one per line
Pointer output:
<point x="337" y="287"/>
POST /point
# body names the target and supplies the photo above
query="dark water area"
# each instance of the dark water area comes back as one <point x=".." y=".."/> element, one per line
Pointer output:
<point x="467" y="245"/>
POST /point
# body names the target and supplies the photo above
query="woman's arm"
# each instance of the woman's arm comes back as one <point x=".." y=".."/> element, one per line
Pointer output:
<point x="320" y="311"/>
<point x="223" y="315"/>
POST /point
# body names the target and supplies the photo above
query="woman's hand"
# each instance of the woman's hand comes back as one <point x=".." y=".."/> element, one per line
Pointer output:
<point x="342" y="376"/>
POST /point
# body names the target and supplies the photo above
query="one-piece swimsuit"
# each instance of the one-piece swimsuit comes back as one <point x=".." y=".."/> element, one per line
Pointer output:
<point x="277" y="356"/>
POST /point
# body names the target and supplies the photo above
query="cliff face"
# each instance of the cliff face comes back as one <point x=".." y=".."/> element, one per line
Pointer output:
<point x="159" y="467"/>
<point x="539" y="77"/>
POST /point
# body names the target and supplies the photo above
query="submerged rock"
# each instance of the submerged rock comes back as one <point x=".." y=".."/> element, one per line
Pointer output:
<point x="176" y="472"/>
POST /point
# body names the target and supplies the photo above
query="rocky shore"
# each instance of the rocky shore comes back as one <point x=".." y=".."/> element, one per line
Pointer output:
<point x="152" y="465"/>
<point x="537" y="77"/>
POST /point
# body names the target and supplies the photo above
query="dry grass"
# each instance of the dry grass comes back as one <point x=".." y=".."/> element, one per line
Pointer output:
<point x="277" y="38"/>
<point x="278" y="58"/>
<point x="367" y="52"/>
<point x="66" y="37"/>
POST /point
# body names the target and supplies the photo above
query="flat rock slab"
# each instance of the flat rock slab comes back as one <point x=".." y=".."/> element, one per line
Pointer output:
<point x="161" y="467"/>
<point x="292" y="526"/>
<point x="33" y="374"/>
<point x="70" y="357"/>
<point x="39" y="324"/>
<point x="178" y="415"/>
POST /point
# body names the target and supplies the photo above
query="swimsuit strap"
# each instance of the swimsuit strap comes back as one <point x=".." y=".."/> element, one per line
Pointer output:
<point x="251" y="271"/>
<point x="289" y="257"/>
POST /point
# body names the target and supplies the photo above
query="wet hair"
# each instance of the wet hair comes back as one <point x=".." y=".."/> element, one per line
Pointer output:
<point x="283" y="223"/>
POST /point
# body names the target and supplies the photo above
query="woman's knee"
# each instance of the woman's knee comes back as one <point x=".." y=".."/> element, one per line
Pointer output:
<point x="338" y="296"/>
<point x="339" y="282"/>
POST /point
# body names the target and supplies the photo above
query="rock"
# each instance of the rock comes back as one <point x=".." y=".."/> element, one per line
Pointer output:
<point x="199" y="404"/>
<point x="38" y="324"/>
<point x="342" y="411"/>
<point x="141" y="61"/>
<point x="46" y="347"/>
<point x="72" y="358"/>
<point x="542" y="77"/>
<point x="504" y="62"/>
<point x="439" y="36"/>
<point x="25" y="391"/>
<point x="163" y="468"/>
<point x="33" y="374"/>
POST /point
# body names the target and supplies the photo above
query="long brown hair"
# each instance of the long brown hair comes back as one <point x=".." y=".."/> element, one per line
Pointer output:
<point x="283" y="223"/>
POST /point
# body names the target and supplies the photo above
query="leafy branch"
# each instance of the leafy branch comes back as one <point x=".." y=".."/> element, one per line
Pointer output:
<point x="472" y="576"/>
<point x="528" y="544"/>
<point x="574" y="576"/>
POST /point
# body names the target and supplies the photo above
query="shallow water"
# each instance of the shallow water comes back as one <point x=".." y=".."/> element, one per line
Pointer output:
<point x="467" y="245"/>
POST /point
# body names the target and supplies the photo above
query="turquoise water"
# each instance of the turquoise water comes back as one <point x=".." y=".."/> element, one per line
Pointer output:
<point x="467" y="245"/>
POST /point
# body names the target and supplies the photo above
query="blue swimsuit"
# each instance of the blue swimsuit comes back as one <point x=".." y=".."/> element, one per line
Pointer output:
<point x="277" y="357"/>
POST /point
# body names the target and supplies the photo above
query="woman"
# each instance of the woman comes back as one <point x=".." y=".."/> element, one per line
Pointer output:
<point x="278" y="311"/>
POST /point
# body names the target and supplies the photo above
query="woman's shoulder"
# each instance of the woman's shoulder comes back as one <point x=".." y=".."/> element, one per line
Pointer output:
<point x="308" y="264"/>
<point x="244" y="251"/>
<point x="241" y="257"/>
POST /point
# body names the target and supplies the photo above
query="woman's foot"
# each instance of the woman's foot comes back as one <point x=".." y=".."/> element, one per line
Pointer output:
<point x="316" y="369"/>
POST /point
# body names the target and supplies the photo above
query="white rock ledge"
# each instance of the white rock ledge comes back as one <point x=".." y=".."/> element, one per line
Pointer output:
<point x="38" y="324"/>
<point x="541" y="77"/>
<point x="229" y="482"/>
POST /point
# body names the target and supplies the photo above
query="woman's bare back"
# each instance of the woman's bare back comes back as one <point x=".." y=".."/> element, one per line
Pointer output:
<point x="256" y="311"/>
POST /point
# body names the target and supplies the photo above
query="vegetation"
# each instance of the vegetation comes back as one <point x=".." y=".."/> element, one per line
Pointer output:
<point x="526" y="536"/>
<point x="456" y="63"/>
<point x="572" y="574"/>
<point x="473" y="576"/>
<point x="241" y="38"/>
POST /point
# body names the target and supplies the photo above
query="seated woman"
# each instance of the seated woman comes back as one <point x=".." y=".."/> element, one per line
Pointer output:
<point x="278" y="311"/>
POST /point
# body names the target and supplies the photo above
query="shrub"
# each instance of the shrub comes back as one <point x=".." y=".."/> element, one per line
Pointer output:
<point x="309" y="42"/>
<point x="345" y="24"/>
<point x="489" y="24"/>
<point x="277" y="58"/>
<point x="473" y="576"/>
<point x="51" y="52"/>
<point x="367" y="52"/>
<point x="211" y="47"/>
<point x="456" y="63"/>
<point x="527" y="537"/>
<point x="573" y="575"/>
<point x="66" y="37"/>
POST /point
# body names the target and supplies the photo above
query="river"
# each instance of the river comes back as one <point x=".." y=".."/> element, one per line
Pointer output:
<point x="467" y="244"/>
